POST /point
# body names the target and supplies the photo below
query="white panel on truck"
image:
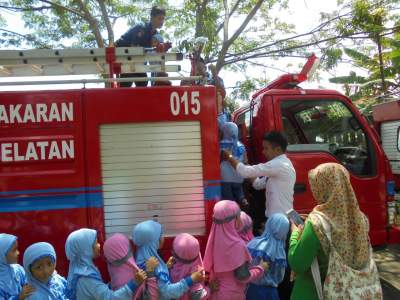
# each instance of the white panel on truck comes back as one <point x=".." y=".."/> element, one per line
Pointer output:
<point x="389" y="135"/>
<point x="153" y="169"/>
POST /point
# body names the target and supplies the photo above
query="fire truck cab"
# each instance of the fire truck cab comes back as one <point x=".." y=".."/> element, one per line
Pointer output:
<point x="321" y="126"/>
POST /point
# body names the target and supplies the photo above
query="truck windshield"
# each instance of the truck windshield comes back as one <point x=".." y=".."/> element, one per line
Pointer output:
<point x="329" y="126"/>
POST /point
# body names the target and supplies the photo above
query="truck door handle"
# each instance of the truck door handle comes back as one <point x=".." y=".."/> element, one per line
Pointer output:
<point x="299" y="188"/>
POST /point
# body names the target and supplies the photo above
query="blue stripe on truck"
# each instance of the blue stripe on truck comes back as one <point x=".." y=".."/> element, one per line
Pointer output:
<point x="52" y="202"/>
<point x="212" y="192"/>
<point x="62" y="190"/>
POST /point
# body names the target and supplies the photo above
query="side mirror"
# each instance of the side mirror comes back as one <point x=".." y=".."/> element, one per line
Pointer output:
<point x="354" y="124"/>
<point x="398" y="139"/>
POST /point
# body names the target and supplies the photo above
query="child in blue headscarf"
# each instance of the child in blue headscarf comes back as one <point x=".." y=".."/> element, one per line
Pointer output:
<point x="40" y="264"/>
<point x="12" y="276"/>
<point x="231" y="184"/>
<point x="270" y="247"/>
<point x="84" y="279"/>
<point x="148" y="238"/>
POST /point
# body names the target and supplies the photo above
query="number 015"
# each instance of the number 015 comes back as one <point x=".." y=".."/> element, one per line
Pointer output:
<point x="184" y="105"/>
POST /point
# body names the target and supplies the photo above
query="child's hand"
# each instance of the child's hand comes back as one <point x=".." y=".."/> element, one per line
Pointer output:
<point x="140" y="276"/>
<point x="151" y="264"/>
<point x="264" y="265"/>
<point x="225" y="154"/>
<point x="214" y="285"/>
<point x="170" y="262"/>
<point x="198" y="276"/>
<point x="27" y="290"/>
<point x="244" y="202"/>
<point x="292" y="276"/>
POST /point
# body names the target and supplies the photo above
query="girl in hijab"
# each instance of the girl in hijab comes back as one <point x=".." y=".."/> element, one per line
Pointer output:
<point x="148" y="238"/>
<point x="12" y="276"/>
<point x="84" y="279"/>
<point x="231" y="181"/>
<point x="40" y="264"/>
<point x="338" y="207"/>
<point x="186" y="260"/>
<point x="226" y="258"/>
<point x="246" y="227"/>
<point x="120" y="263"/>
<point x="270" y="247"/>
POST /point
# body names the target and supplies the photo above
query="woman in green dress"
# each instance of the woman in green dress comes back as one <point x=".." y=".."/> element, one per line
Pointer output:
<point x="338" y="207"/>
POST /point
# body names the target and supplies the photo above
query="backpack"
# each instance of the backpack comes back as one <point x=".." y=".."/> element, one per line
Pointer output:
<point x="343" y="282"/>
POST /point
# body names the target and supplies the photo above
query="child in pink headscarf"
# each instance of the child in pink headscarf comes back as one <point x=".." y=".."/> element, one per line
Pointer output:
<point x="227" y="258"/>
<point x="121" y="266"/>
<point x="246" y="228"/>
<point x="186" y="259"/>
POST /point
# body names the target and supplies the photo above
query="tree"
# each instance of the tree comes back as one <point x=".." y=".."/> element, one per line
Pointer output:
<point x="62" y="23"/>
<point x="377" y="53"/>
<point x="240" y="32"/>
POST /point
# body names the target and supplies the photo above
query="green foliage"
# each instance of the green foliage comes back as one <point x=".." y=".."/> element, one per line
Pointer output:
<point x="244" y="89"/>
<point x="376" y="22"/>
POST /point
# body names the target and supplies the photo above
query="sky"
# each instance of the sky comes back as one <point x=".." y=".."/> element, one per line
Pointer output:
<point x="303" y="13"/>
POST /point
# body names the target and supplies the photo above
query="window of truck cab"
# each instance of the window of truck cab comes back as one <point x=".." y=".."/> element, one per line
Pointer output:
<point x="243" y="122"/>
<point x="328" y="125"/>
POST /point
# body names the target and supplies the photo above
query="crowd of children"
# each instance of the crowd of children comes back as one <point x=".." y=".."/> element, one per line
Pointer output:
<point x="236" y="265"/>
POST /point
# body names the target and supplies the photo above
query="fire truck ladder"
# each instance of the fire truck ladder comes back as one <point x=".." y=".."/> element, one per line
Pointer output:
<point x="110" y="61"/>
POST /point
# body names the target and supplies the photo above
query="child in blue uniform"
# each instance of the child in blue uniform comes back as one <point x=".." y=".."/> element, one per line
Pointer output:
<point x="12" y="276"/>
<point x="84" y="279"/>
<point x="231" y="181"/>
<point x="270" y="247"/>
<point x="40" y="264"/>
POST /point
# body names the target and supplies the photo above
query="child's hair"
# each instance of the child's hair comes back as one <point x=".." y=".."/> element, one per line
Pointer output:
<point x="277" y="139"/>
<point x="157" y="10"/>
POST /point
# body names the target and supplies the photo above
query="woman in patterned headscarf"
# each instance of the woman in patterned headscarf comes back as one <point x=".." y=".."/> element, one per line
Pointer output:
<point x="337" y="210"/>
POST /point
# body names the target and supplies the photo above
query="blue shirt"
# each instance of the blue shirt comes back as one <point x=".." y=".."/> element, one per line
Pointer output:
<point x="228" y="174"/>
<point x="94" y="289"/>
<point x="139" y="35"/>
<point x="19" y="279"/>
<point x="58" y="287"/>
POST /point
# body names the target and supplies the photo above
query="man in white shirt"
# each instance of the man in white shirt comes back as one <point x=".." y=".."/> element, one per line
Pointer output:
<point x="277" y="175"/>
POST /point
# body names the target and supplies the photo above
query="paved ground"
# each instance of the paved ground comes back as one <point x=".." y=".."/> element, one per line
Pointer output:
<point x="390" y="293"/>
<point x="388" y="263"/>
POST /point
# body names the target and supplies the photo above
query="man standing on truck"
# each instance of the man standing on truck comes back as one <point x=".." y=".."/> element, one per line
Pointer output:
<point x="278" y="177"/>
<point x="143" y="35"/>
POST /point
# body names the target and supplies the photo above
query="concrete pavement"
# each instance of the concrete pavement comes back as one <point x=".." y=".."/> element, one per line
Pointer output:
<point x="388" y="263"/>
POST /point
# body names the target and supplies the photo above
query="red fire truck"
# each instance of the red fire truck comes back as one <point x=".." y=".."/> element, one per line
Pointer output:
<point x="321" y="126"/>
<point x="386" y="118"/>
<point x="108" y="158"/>
<point x="104" y="158"/>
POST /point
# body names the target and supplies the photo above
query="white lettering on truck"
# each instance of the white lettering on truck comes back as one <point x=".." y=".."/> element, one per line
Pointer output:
<point x="38" y="150"/>
<point x="36" y="113"/>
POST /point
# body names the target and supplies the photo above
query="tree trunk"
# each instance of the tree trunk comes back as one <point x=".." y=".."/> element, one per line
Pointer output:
<point x="94" y="26"/>
<point x="227" y="42"/>
<point x="200" y="11"/>
<point x="381" y="67"/>
<point x="106" y="19"/>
